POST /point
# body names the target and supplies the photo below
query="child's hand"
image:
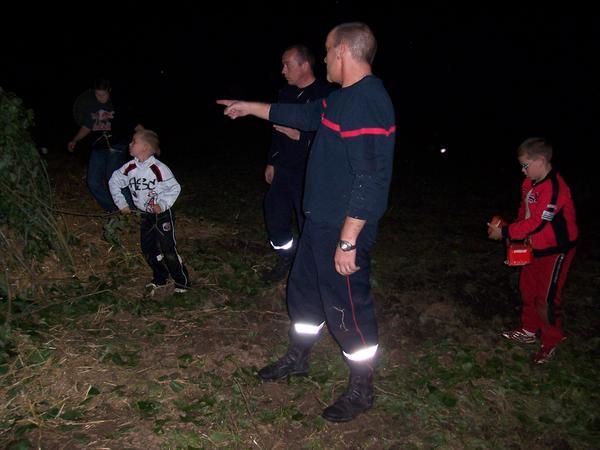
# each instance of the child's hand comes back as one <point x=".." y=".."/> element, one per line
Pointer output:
<point x="125" y="210"/>
<point x="156" y="208"/>
<point x="494" y="232"/>
<point x="495" y="227"/>
<point x="497" y="221"/>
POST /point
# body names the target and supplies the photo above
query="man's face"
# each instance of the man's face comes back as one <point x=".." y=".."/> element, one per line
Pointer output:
<point x="102" y="95"/>
<point x="332" y="60"/>
<point x="292" y="70"/>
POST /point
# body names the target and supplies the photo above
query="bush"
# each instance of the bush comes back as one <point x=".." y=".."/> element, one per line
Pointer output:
<point x="28" y="229"/>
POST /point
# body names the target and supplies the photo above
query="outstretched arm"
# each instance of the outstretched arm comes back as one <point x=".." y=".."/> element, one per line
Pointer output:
<point x="236" y="108"/>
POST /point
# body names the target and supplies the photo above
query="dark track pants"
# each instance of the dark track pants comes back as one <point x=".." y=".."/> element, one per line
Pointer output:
<point x="541" y="283"/>
<point x="282" y="201"/>
<point x="317" y="293"/>
<point x="157" y="236"/>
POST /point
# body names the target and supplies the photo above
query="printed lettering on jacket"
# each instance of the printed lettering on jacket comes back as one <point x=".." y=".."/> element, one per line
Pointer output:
<point x="141" y="184"/>
<point x="532" y="197"/>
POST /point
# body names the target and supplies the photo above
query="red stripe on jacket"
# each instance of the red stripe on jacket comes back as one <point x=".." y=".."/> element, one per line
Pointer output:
<point x="359" y="131"/>
<point x="129" y="168"/>
<point x="156" y="171"/>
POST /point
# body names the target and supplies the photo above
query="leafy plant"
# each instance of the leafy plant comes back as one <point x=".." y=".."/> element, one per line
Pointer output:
<point x="28" y="228"/>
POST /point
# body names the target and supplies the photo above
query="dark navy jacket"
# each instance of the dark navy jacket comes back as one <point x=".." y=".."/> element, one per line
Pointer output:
<point x="287" y="152"/>
<point x="350" y="164"/>
<point x="111" y="126"/>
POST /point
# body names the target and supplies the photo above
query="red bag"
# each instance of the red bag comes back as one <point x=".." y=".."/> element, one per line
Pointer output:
<point x="518" y="253"/>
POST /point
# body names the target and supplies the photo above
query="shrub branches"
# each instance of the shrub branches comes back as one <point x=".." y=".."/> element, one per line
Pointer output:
<point x="28" y="229"/>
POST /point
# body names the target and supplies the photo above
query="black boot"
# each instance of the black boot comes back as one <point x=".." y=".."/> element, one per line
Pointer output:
<point x="357" y="398"/>
<point x="294" y="362"/>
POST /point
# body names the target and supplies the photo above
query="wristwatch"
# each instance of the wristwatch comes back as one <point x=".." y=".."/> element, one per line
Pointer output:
<point x="346" y="246"/>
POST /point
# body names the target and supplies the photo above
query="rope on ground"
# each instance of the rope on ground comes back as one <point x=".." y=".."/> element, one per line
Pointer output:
<point x="73" y="213"/>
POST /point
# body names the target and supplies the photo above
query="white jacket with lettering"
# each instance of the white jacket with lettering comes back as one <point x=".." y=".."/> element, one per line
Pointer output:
<point x="150" y="182"/>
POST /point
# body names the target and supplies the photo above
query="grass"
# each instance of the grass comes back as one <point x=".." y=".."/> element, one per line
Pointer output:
<point x="494" y="396"/>
<point x="99" y="364"/>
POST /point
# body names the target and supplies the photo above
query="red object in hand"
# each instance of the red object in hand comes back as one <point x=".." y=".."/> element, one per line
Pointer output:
<point x="518" y="253"/>
<point x="498" y="221"/>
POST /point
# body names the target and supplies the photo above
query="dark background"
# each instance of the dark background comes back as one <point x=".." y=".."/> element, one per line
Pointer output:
<point x="477" y="83"/>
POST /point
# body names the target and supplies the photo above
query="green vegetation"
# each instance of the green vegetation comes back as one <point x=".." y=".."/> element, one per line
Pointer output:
<point x="28" y="229"/>
<point x="25" y="195"/>
<point x="97" y="361"/>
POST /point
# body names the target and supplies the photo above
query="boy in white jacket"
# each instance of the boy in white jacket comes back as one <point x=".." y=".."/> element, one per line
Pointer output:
<point x="154" y="190"/>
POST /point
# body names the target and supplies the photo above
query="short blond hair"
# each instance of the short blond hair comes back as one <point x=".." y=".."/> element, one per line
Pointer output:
<point x="535" y="148"/>
<point x="359" y="38"/>
<point x="151" y="138"/>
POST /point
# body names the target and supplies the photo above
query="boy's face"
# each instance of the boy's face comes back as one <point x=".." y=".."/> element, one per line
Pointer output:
<point x="532" y="168"/>
<point x="139" y="149"/>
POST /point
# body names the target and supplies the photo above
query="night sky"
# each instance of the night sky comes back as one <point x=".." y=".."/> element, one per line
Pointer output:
<point x="477" y="83"/>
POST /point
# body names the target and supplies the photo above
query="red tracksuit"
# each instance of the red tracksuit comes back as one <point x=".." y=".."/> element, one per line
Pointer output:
<point x="547" y="218"/>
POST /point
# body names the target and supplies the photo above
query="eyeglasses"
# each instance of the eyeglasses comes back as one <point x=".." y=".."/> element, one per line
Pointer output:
<point x="525" y="166"/>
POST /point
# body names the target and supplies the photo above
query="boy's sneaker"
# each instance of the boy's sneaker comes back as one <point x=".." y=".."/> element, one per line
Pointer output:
<point x="153" y="287"/>
<point x="544" y="355"/>
<point x="520" y="335"/>
<point x="181" y="289"/>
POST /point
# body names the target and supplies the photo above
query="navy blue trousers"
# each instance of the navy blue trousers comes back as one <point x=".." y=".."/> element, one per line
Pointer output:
<point x="317" y="293"/>
<point x="283" y="200"/>
<point x="101" y="165"/>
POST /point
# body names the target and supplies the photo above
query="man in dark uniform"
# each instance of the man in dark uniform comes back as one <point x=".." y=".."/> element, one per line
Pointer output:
<point x="347" y="184"/>
<point x="286" y="163"/>
<point x="110" y="130"/>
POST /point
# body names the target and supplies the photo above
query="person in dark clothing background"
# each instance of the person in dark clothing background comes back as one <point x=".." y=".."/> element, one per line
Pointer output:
<point x="347" y="185"/>
<point x="286" y="162"/>
<point x="109" y="130"/>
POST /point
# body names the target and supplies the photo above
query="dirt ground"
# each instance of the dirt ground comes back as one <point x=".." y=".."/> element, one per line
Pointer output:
<point x="102" y="365"/>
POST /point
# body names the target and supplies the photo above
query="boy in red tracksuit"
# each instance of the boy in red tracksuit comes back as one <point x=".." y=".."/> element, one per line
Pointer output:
<point x="547" y="219"/>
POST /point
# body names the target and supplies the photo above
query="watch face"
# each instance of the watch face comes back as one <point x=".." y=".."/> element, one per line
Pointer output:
<point x="346" y="246"/>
